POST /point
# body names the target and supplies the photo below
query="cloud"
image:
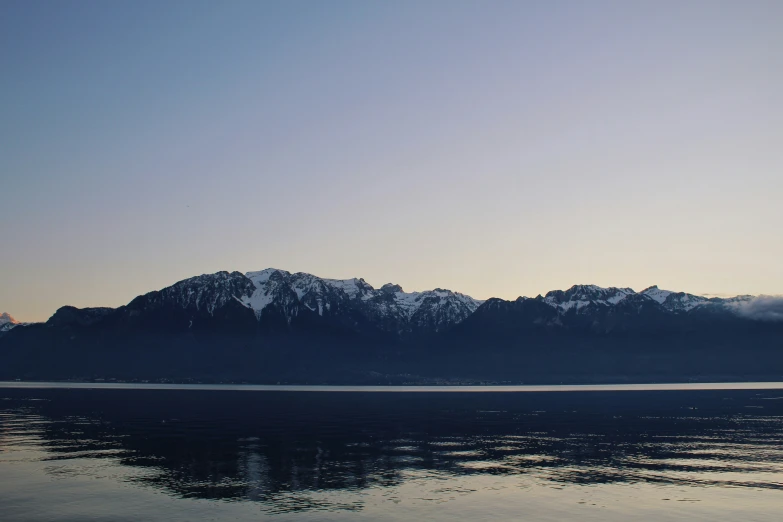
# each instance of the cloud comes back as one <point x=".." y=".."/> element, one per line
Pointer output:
<point x="761" y="308"/>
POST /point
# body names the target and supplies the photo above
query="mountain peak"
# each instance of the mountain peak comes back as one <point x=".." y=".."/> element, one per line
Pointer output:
<point x="388" y="307"/>
<point x="656" y="293"/>
<point x="390" y="288"/>
<point x="581" y="296"/>
<point x="584" y="288"/>
<point x="5" y="318"/>
<point x="262" y="276"/>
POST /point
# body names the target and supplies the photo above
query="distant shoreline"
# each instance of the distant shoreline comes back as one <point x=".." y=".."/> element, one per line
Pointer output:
<point x="394" y="388"/>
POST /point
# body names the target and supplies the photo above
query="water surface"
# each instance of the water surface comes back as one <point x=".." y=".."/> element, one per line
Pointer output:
<point x="111" y="453"/>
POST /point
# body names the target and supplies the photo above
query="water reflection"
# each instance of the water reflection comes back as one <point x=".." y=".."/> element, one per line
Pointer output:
<point x="284" y="450"/>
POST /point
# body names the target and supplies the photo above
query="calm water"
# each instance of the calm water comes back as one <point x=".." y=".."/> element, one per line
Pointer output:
<point x="187" y="454"/>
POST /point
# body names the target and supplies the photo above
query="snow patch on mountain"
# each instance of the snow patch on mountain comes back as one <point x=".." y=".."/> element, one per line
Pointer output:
<point x="674" y="301"/>
<point x="262" y="276"/>
<point x="389" y="305"/>
<point x="580" y="297"/>
<point x="272" y="285"/>
<point x="353" y="288"/>
<point x="656" y="293"/>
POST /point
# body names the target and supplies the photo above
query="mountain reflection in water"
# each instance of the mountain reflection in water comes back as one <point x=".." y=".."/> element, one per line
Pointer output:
<point x="292" y="453"/>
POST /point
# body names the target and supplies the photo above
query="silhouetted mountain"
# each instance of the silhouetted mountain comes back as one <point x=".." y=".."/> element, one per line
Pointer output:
<point x="274" y="326"/>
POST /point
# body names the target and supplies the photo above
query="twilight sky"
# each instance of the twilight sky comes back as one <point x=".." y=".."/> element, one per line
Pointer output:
<point x="495" y="148"/>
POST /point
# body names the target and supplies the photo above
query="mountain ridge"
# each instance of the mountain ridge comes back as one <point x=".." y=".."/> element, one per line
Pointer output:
<point x="577" y="296"/>
<point x="273" y="325"/>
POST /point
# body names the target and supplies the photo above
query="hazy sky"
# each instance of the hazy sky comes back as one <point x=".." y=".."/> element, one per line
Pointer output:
<point x="495" y="148"/>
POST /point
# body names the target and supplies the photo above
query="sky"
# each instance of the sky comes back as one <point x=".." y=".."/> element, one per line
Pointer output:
<point x="498" y="148"/>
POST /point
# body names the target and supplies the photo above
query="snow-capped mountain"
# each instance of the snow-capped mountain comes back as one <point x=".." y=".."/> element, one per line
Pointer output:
<point x="278" y="296"/>
<point x="674" y="301"/>
<point x="581" y="297"/>
<point x="273" y="325"/>
<point x="7" y="322"/>
<point x="204" y="293"/>
<point x="301" y="300"/>
<point x="586" y="299"/>
<point x="275" y="293"/>
<point x="389" y="307"/>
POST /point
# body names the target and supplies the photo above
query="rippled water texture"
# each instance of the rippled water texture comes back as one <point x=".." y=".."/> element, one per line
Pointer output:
<point x="140" y="454"/>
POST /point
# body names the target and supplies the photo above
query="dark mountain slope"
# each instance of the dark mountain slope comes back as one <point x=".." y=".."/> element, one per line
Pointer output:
<point x="274" y="326"/>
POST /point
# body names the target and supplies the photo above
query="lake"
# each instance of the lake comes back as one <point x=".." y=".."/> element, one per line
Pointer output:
<point x="120" y="452"/>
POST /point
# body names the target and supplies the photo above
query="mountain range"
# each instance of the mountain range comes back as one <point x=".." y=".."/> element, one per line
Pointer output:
<point x="275" y="326"/>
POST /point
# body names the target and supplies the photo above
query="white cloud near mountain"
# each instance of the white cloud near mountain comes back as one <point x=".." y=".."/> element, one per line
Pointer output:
<point x="761" y="308"/>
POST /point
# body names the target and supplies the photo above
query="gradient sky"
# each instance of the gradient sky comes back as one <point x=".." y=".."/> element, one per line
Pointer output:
<point x="495" y="148"/>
